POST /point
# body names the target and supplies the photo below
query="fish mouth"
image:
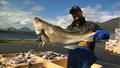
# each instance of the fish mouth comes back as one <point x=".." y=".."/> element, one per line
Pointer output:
<point x="36" y="19"/>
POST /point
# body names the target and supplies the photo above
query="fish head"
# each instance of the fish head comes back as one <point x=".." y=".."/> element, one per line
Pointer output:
<point x="36" y="20"/>
<point x="37" y="25"/>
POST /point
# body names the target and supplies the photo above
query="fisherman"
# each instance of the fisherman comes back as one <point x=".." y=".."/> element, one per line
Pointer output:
<point x="83" y="56"/>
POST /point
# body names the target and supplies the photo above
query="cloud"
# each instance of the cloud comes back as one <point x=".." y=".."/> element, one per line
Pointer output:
<point x="3" y="2"/>
<point x="13" y="16"/>
<point x="91" y="14"/>
<point x="16" y="19"/>
<point x="95" y="14"/>
<point x="37" y="8"/>
<point x="62" y="21"/>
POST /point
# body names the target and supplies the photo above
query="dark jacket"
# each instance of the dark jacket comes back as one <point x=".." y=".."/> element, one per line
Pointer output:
<point x="82" y="26"/>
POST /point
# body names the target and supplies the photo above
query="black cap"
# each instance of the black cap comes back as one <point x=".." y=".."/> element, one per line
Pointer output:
<point x="76" y="9"/>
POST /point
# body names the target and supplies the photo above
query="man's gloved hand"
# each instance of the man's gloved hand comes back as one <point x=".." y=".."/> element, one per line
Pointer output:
<point x="102" y="34"/>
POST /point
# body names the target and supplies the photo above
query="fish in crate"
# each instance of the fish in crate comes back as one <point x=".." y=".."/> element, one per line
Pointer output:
<point x="22" y="60"/>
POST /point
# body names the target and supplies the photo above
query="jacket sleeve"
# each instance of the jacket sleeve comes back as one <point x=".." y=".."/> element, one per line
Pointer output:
<point x="102" y="34"/>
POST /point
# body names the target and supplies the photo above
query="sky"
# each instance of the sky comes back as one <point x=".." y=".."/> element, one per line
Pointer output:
<point x="20" y="13"/>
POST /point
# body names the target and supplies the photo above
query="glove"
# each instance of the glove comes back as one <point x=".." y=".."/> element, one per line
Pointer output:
<point x="102" y="34"/>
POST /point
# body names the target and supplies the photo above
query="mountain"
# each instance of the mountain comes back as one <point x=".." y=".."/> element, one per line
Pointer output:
<point x="7" y="30"/>
<point x="26" y="29"/>
<point x="110" y="25"/>
<point x="14" y="30"/>
<point x="22" y="33"/>
<point x="11" y="29"/>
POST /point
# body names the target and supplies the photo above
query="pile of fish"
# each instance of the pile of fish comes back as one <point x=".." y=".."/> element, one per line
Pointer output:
<point x="2" y="62"/>
<point x="49" y="55"/>
<point x="2" y="65"/>
<point x="113" y="45"/>
<point x="23" y="58"/>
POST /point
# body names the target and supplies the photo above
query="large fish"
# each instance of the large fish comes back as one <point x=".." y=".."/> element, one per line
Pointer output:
<point x="55" y="34"/>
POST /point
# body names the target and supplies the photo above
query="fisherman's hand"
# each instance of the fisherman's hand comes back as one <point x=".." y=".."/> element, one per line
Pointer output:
<point x="102" y="34"/>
